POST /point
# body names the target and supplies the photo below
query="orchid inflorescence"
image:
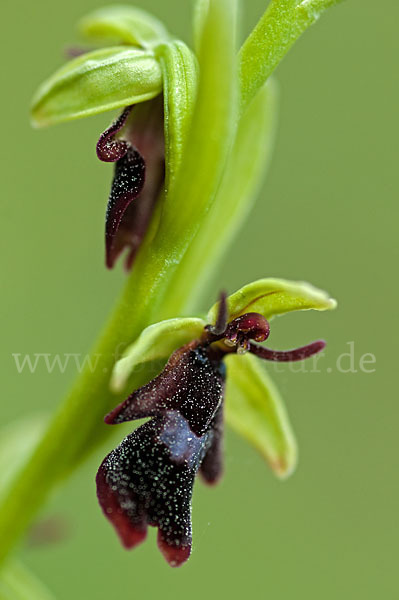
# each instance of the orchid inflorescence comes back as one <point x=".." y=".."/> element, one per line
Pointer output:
<point x="189" y="146"/>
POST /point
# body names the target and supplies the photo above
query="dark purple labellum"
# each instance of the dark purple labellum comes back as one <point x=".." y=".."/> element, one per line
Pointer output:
<point x="125" y="222"/>
<point x="127" y="185"/>
<point x="148" y="480"/>
<point x="221" y="319"/>
<point x="191" y="382"/>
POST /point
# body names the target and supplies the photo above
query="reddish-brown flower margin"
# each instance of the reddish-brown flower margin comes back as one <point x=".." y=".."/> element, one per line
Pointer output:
<point x="148" y="479"/>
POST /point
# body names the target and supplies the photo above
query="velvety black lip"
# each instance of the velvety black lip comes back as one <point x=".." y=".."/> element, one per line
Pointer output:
<point x="127" y="185"/>
<point x="148" y="480"/>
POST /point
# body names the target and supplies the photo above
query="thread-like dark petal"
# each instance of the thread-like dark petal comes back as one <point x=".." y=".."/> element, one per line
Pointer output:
<point x="127" y="185"/>
<point x="221" y="319"/>
<point x="287" y="355"/>
<point x="148" y="480"/>
<point x="211" y="468"/>
<point x="191" y="382"/>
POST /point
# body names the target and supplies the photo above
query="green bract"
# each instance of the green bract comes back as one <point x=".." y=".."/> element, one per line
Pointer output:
<point x="271" y="297"/>
<point x="96" y="82"/>
<point x="124" y="24"/>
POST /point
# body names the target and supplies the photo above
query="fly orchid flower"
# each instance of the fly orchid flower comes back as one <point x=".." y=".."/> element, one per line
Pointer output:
<point x="149" y="478"/>
<point x="152" y="78"/>
<point x="139" y="158"/>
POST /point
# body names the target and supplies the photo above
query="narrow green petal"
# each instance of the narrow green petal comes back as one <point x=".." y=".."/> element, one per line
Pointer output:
<point x="124" y="24"/>
<point x="156" y="342"/>
<point x="180" y="77"/>
<point x="271" y="297"/>
<point x="254" y="409"/>
<point x="18" y="583"/>
<point x="96" y="82"/>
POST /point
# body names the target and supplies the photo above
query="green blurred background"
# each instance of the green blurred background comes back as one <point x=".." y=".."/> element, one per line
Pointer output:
<point x="327" y="214"/>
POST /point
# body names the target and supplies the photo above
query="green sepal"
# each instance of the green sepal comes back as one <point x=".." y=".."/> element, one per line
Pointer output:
<point x="271" y="297"/>
<point x="156" y="342"/>
<point x="180" y="80"/>
<point x="255" y="410"/>
<point x="96" y="82"/>
<point x="125" y="25"/>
